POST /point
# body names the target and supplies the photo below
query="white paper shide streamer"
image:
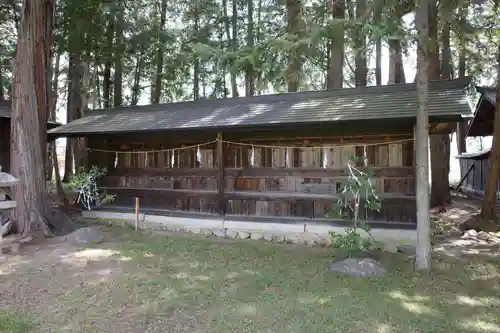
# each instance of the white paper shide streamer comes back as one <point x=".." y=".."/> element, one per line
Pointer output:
<point x="325" y="158"/>
<point x="198" y="155"/>
<point x="252" y="157"/>
<point x="173" y="159"/>
<point x="116" y="160"/>
<point x="146" y="160"/>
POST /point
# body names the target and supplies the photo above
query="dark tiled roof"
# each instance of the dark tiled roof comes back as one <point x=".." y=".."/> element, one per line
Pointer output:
<point x="446" y="99"/>
<point x="5" y="112"/>
<point x="484" y="114"/>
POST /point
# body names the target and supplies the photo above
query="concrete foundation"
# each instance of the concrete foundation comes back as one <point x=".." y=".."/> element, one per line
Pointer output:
<point x="307" y="233"/>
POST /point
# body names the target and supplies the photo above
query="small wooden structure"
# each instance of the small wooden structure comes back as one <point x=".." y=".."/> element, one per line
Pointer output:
<point x="7" y="182"/>
<point x="474" y="166"/>
<point x="5" y="107"/>
<point x="275" y="158"/>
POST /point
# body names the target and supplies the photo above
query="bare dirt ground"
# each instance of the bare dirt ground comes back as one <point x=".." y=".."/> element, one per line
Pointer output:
<point x="138" y="282"/>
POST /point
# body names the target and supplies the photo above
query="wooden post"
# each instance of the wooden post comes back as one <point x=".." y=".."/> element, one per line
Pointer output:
<point x="220" y="175"/>
<point x="137" y="214"/>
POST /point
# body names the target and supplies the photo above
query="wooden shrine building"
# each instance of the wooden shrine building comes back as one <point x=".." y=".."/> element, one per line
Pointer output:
<point x="279" y="157"/>
<point x="5" y="112"/>
<point x="474" y="166"/>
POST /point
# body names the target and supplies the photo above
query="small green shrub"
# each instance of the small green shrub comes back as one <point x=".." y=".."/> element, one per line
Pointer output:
<point x="85" y="184"/>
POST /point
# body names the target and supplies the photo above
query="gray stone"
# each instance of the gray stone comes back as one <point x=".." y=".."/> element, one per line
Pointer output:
<point x="292" y="238"/>
<point x="408" y="249"/>
<point x="219" y="232"/>
<point x="279" y="238"/>
<point x="256" y="235"/>
<point x="194" y="230"/>
<point x="267" y="236"/>
<point x="86" y="235"/>
<point x="390" y="247"/>
<point x="231" y="233"/>
<point x="469" y="234"/>
<point x="206" y="232"/>
<point x="243" y="235"/>
<point x="483" y="235"/>
<point x="361" y="267"/>
<point x="180" y="229"/>
<point x="309" y="238"/>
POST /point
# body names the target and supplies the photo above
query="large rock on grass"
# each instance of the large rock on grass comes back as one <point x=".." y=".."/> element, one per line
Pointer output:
<point x="361" y="267"/>
<point x="85" y="236"/>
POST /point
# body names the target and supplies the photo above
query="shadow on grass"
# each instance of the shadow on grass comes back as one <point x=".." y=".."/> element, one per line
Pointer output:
<point x="197" y="284"/>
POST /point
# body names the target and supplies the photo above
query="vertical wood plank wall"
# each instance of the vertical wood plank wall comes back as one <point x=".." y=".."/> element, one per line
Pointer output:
<point x="284" y="182"/>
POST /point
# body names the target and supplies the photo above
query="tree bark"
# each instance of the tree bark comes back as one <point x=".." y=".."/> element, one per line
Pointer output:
<point x="119" y="53"/>
<point x="439" y="143"/>
<point x="196" y="60"/>
<point x="49" y="170"/>
<point x="108" y="63"/>
<point x="462" y="126"/>
<point x="30" y="109"/>
<point x="488" y="206"/>
<point x="234" y="44"/>
<point x="423" y="252"/>
<point x="361" y="69"/>
<point x="136" y="87"/>
<point x="377" y="15"/>
<point x="294" y="24"/>
<point x="157" y="89"/>
<point x="335" y="77"/>
<point x="249" y="72"/>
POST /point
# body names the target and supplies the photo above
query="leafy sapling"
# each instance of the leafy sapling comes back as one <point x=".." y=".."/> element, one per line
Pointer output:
<point x="355" y="193"/>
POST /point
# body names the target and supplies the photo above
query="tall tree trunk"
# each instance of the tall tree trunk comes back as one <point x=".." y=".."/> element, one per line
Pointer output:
<point x="30" y="110"/>
<point x="136" y="87"/>
<point x="335" y="77"/>
<point x="108" y="63"/>
<point x="249" y="72"/>
<point x="377" y="15"/>
<point x="439" y="143"/>
<point x="396" y="68"/>
<point x="423" y="253"/>
<point x="258" y="37"/>
<point x="196" y="60"/>
<point x="488" y="206"/>
<point x="119" y="54"/>
<point x="361" y="69"/>
<point x="54" y="163"/>
<point x="68" y="154"/>
<point x="462" y="125"/>
<point x="52" y="116"/>
<point x="157" y="89"/>
<point x="294" y="24"/>
<point x="234" y="44"/>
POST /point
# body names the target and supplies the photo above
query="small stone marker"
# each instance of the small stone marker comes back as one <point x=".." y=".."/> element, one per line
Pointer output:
<point x="86" y="235"/>
<point x="364" y="267"/>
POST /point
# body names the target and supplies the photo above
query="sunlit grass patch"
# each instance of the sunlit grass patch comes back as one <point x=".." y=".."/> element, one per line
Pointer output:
<point x="14" y="322"/>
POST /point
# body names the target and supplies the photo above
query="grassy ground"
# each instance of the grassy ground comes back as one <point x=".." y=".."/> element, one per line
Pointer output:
<point x="182" y="283"/>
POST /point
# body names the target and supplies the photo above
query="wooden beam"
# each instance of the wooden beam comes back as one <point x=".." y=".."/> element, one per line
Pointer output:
<point x="261" y="172"/>
<point x="239" y="195"/>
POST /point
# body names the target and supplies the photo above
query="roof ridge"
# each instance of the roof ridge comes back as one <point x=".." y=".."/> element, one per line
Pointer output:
<point x="434" y="85"/>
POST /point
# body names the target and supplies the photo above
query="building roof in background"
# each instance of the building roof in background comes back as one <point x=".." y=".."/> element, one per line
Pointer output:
<point x="484" y="114"/>
<point x="480" y="155"/>
<point x="5" y="112"/>
<point x="447" y="99"/>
